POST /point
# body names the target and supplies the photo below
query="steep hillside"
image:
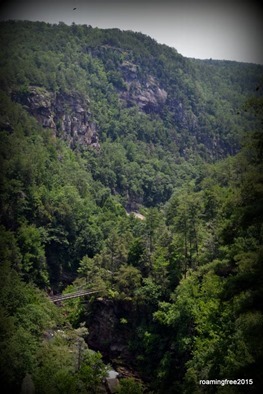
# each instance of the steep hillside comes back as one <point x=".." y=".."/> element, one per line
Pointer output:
<point x="120" y="70"/>
<point x="151" y="115"/>
<point x="128" y="169"/>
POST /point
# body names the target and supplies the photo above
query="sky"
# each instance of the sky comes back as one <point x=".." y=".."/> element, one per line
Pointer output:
<point x="217" y="29"/>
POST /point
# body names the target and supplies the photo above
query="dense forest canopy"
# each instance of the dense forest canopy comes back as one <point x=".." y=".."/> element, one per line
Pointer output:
<point x="132" y="170"/>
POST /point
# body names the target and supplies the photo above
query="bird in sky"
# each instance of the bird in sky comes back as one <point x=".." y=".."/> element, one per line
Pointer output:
<point x="74" y="8"/>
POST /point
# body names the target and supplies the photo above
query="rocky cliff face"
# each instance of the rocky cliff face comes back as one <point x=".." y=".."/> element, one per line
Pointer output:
<point x="111" y="325"/>
<point x="148" y="95"/>
<point x="109" y="328"/>
<point x="67" y="114"/>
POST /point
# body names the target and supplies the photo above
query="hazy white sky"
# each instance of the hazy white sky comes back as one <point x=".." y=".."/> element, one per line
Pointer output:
<point x="218" y="29"/>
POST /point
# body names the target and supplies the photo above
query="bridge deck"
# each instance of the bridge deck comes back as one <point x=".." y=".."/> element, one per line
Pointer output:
<point x="80" y="293"/>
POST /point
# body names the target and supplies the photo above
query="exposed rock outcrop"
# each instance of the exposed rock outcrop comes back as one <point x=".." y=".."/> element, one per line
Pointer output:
<point x="106" y="332"/>
<point x="148" y="95"/>
<point x="67" y="114"/>
<point x="111" y="325"/>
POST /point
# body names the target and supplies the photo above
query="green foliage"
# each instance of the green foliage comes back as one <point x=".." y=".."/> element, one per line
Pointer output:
<point x="216" y="309"/>
<point x="33" y="264"/>
<point x="128" y="279"/>
<point x="141" y="150"/>
<point x="68" y="368"/>
<point x="25" y="314"/>
<point x="190" y="271"/>
<point x="92" y="372"/>
<point x="129" y="386"/>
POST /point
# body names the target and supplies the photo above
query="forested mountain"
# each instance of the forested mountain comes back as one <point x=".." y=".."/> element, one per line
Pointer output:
<point x="97" y="126"/>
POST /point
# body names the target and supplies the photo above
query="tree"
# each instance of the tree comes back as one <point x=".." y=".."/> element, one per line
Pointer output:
<point x="128" y="280"/>
<point x="92" y="372"/>
<point x="88" y="269"/>
<point x="33" y="264"/>
<point x="129" y="386"/>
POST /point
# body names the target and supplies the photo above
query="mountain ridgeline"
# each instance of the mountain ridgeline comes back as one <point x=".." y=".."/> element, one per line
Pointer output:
<point x="96" y="127"/>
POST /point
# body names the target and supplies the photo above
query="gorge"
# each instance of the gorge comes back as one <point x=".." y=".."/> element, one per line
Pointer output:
<point x="130" y="170"/>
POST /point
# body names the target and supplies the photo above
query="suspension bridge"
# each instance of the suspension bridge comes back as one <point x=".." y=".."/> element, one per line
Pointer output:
<point x="78" y="293"/>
